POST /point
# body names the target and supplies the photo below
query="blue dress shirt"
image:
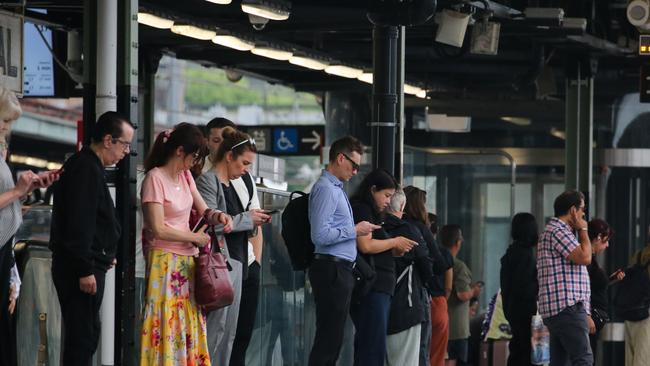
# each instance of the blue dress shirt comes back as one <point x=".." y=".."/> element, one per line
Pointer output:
<point x="331" y="220"/>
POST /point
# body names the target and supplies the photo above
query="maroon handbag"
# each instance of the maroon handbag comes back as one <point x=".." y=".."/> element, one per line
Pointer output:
<point x="212" y="286"/>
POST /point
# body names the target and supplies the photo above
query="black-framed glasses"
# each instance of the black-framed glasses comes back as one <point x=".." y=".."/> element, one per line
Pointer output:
<point x="355" y="166"/>
<point x="126" y="144"/>
<point x="250" y="141"/>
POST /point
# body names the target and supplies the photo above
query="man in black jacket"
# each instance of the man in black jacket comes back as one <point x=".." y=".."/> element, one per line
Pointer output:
<point x="84" y="235"/>
<point x="409" y="304"/>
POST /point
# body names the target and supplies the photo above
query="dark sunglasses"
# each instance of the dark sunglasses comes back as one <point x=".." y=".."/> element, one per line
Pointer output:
<point x="355" y="166"/>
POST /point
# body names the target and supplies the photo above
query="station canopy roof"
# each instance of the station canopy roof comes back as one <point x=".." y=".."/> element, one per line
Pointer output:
<point x="531" y="63"/>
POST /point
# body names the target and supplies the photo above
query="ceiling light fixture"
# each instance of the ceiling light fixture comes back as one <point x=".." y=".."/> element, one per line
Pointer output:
<point x="233" y="42"/>
<point x="555" y="132"/>
<point x="410" y="89"/>
<point x="308" y="62"/>
<point x="154" y="21"/>
<point x="272" y="53"/>
<point x="269" y="9"/>
<point x="519" y="121"/>
<point x="194" y="32"/>
<point x="366" y="77"/>
<point x="220" y="2"/>
<point x="344" y="71"/>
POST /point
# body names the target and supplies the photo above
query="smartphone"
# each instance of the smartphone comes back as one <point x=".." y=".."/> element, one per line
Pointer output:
<point x="613" y="275"/>
<point x="202" y="225"/>
<point x="271" y="212"/>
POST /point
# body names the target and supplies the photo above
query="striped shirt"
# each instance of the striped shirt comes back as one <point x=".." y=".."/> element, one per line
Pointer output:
<point x="10" y="216"/>
<point x="562" y="283"/>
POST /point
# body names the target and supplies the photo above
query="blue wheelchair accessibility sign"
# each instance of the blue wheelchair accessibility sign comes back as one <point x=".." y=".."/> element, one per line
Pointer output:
<point x="285" y="140"/>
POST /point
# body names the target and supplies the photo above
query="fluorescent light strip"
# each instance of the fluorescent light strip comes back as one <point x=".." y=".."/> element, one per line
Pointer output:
<point x="233" y="42"/>
<point x="154" y="21"/>
<point x="272" y="53"/>
<point x="265" y="12"/>
<point x="194" y="32"/>
<point x="344" y="71"/>
<point x="366" y="77"/>
<point x="307" y="62"/>
<point x="220" y="2"/>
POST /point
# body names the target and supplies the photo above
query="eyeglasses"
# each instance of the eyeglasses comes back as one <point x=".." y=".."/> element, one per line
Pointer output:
<point x="250" y="141"/>
<point x="126" y="144"/>
<point x="355" y="166"/>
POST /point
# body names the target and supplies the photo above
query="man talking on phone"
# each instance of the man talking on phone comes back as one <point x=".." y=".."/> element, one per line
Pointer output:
<point x="564" y="288"/>
<point x="84" y="235"/>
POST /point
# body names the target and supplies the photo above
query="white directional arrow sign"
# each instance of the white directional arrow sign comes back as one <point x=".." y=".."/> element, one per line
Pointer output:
<point x="312" y="140"/>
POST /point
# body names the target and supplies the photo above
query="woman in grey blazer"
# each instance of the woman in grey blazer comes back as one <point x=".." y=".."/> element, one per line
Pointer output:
<point x="232" y="160"/>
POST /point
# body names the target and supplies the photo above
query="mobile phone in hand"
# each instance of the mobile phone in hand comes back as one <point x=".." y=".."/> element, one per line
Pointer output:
<point x="271" y="212"/>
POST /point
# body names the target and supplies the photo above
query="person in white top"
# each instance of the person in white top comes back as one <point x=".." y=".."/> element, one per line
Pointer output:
<point x="247" y="194"/>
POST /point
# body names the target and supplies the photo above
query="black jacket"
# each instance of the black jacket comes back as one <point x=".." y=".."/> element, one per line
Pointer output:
<point x="85" y="228"/>
<point x="409" y="304"/>
<point x="519" y="282"/>
<point x="440" y="257"/>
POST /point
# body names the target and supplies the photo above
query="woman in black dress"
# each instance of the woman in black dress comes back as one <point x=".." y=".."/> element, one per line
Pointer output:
<point x="519" y="286"/>
<point x="599" y="234"/>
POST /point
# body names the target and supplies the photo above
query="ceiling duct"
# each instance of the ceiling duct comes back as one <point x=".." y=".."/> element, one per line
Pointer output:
<point x="401" y="12"/>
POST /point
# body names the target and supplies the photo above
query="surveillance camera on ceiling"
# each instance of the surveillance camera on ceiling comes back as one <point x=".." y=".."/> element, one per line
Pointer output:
<point x="258" y="23"/>
<point x="638" y="12"/>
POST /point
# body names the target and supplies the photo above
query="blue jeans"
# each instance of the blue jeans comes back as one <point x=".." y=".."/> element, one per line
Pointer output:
<point x="370" y="318"/>
<point x="569" y="337"/>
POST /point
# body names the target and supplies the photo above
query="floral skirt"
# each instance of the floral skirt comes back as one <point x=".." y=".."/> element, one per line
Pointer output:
<point x="173" y="328"/>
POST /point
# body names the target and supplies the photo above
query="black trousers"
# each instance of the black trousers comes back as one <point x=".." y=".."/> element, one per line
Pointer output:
<point x="80" y="312"/>
<point x="519" y="346"/>
<point x="247" y="312"/>
<point x="7" y="339"/>
<point x="332" y="283"/>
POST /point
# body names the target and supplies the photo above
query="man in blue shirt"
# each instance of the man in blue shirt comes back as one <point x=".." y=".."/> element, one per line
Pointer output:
<point x="334" y="235"/>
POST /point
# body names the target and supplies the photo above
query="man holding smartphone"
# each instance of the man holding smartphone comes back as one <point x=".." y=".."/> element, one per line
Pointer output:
<point x="564" y="288"/>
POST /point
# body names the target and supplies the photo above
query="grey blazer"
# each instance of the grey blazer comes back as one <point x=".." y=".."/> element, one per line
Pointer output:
<point x="210" y="189"/>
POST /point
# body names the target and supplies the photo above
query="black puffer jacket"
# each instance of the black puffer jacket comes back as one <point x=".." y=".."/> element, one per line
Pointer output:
<point x="519" y="282"/>
<point x="409" y="304"/>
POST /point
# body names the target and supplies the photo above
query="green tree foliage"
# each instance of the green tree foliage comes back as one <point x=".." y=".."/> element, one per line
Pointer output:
<point x="206" y="87"/>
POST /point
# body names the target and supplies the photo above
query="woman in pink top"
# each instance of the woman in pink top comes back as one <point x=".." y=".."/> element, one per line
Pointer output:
<point x="173" y="329"/>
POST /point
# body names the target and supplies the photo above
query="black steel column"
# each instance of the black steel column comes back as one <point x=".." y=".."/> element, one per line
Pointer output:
<point x="89" y="68"/>
<point x="579" y="125"/>
<point x="125" y="185"/>
<point x="384" y="96"/>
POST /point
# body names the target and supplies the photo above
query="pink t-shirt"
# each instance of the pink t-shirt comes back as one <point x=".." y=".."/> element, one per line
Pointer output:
<point x="176" y="198"/>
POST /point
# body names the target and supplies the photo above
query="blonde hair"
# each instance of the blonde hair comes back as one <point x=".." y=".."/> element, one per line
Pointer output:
<point x="9" y="106"/>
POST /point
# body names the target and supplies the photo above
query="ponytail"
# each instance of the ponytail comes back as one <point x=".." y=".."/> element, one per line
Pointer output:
<point x="185" y="135"/>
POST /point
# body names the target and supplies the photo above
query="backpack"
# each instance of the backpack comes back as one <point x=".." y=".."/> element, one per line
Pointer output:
<point x="632" y="299"/>
<point x="296" y="231"/>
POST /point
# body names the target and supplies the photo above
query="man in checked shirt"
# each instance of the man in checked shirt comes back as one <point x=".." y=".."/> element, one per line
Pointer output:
<point x="564" y="291"/>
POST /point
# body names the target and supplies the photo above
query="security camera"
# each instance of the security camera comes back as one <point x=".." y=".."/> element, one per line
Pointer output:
<point x="258" y="23"/>
<point x="638" y="13"/>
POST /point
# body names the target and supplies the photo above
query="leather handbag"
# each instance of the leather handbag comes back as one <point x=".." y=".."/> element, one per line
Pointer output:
<point x="212" y="285"/>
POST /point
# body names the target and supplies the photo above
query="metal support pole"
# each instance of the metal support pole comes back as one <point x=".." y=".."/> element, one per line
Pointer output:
<point x="401" y="69"/>
<point x="89" y="68"/>
<point x="106" y="101"/>
<point x="127" y="99"/>
<point x="384" y="97"/>
<point x="579" y="126"/>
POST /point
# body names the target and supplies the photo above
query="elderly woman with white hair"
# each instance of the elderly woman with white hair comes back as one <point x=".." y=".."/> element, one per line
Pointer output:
<point x="10" y="220"/>
<point x="409" y="306"/>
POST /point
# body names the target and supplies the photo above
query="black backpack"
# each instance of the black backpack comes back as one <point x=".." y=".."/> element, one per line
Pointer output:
<point x="296" y="231"/>
<point x="632" y="299"/>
